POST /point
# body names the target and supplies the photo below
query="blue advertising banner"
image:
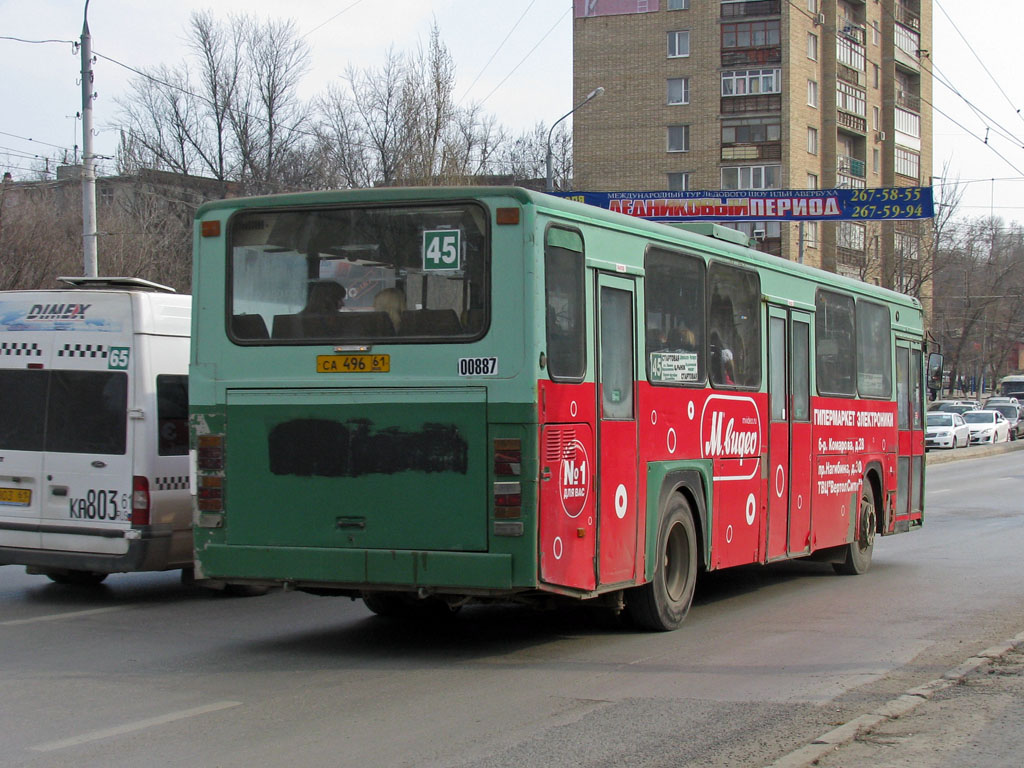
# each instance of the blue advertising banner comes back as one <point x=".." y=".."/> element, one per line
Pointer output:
<point x="875" y="204"/>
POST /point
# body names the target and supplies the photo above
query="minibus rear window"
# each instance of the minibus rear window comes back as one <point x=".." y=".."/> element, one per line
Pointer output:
<point x="63" y="411"/>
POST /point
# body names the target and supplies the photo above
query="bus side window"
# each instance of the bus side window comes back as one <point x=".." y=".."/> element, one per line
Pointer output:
<point x="172" y="415"/>
<point x="564" y="302"/>
<point x="734" y="326"/>
<point x="674" y="301"/>
<point x="834" y="340"/>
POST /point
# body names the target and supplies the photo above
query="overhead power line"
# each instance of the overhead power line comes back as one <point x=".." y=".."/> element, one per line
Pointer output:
<point x="528" y="54"/>
<point x="500" y="45"/>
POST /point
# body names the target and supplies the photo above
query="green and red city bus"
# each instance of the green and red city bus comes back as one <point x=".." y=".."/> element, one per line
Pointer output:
<point x="518" y="397"/>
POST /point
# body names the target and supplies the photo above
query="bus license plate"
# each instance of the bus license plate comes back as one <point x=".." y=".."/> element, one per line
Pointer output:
<point x="15" y="497"/>
<point x="353" y="363"/>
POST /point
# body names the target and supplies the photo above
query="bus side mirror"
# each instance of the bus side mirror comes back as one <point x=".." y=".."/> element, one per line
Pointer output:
<point x="935" y="371"/>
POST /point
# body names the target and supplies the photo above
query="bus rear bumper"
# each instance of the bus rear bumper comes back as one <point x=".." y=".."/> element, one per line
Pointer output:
<point x="458" y="572"/>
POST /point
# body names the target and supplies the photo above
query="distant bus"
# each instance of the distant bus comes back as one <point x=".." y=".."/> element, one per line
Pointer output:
<point x="1012" y="386"/>
<point x="426" y="397"/>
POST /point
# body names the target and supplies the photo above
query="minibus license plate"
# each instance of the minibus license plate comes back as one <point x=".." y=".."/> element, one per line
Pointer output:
<point x="353" y="363"/>
<point x="15" y="497"/>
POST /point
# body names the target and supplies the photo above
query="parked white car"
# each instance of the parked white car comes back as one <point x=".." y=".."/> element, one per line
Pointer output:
<point x="987" y="427"/>
<point x="946" y="430"/>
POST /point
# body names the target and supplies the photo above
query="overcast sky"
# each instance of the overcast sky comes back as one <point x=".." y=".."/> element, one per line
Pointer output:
<point x="523" y="80"/>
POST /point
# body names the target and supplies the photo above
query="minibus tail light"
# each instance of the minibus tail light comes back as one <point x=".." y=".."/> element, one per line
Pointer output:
<point x="140" y="500"/>
<point x="211" y="453"/>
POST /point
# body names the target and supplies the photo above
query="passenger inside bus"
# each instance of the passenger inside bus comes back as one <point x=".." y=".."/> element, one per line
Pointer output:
<point x="325" y="297"/>
<point x="391" y="301"/>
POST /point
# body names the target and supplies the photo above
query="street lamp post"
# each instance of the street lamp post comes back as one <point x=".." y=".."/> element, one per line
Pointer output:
<point x="550" y="187"/>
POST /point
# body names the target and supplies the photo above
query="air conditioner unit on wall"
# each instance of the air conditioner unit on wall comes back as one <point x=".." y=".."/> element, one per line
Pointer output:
<point x="820" y="20"/>
<point x="879" y="135"/>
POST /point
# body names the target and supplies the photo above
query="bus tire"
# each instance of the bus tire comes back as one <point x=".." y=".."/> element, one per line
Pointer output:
<point x="858" y="553"/>
<point x="663" y="603"/>
<point x="77" y="578"/>
<point x="407" y="605"/>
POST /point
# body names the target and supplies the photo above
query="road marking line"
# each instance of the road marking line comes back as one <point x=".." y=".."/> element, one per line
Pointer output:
<point x="138" y="725"/>
<point x="59" y="616"/>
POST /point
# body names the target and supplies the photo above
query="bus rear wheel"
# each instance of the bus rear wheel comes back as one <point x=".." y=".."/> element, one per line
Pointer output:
<point x="407" y="605"/>
<point x="858" y="553"/>
<point x="663" y="603"/>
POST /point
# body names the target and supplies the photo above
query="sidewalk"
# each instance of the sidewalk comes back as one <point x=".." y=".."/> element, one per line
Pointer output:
<point x="971" y="716"/>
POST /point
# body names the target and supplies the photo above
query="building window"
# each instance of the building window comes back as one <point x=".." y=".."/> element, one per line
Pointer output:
<point x="850" y="53"/>
<point x="679" y="138"/>
<point x="743" y="82"/>
<point x="850" y="235"/>
<point x="810" y="234"/>
<point x="851" y="99"/>
<point x="812" y="140"/>
<point x="876" y="34"/>
<point x="752" y="177"/>
<point x="812" y="46"/>
<point x="812" y="93"/>
<point x="876" y="160"/>
<point x="812" y="181"/>
<point x="678" y="182"/>
<point x="678" y="43"/>
<point x="812" y="6"/>
<point x="907" y="163"/>
<point x="678" y="5"/>
<point x="750" y="34"/>
<point x="679" y="90"/>
<point x="754" y="130"/>
<point x="875" y="74"/>
<point x="874" y="117"/>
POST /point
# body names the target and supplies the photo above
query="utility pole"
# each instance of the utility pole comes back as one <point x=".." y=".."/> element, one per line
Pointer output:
<point x="88" y="159"/>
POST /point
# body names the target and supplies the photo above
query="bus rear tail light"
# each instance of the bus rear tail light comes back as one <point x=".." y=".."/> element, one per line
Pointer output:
<point x="210" y="494"/>
<point x="211" y="453"/>
<point x="508" y="457"/>
<point x="140" y="500"/>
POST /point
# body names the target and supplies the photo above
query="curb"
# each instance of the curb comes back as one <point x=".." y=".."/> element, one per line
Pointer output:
<point x="898" y="707"/>
<point x="977" y="452"/>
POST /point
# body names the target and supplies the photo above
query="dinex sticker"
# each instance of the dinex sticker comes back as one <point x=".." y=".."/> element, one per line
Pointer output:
<point x="730" y="428"/>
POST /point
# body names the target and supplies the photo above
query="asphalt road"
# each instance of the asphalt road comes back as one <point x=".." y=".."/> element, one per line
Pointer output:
<point x="144" y="671"/>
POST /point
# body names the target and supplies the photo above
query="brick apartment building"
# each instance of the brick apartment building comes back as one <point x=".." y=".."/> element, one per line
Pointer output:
<point x="763" y="94"/>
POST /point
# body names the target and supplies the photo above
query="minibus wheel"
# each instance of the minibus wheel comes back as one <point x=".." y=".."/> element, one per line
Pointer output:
<point x="663" y="603"/>
<point x="77" y="578"/>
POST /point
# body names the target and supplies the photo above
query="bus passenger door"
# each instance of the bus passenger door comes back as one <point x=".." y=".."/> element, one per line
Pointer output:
<point x="910" y="445"/>
<point x="789" y="434"/>
<point x="617" y="429"/>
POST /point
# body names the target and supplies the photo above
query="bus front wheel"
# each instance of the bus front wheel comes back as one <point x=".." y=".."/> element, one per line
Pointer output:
<point x="663" y="603"/>
<point x="858" y="552"/>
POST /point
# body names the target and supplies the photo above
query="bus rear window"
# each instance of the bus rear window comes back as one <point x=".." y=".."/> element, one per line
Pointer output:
<point x="401" y="274"/>
<point x="63" y="411"/>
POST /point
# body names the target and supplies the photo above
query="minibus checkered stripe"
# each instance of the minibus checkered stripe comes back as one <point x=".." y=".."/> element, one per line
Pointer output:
<point x="82" y="350"/>
<point x="20" y="349"/>
<point x="178" y="483"/>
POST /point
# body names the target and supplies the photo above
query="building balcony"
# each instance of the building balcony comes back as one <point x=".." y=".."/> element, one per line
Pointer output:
<point x="771" y="150"/>
<point x="733" y="57"/>
<point x="850" y="75"/>
<point x="850" y="258"/>
<point x="853" y="123"/>
<point x="851" y="166"/>
<point x="908" y="101"/>
<point x="853" y="32"/>
<point x="907" y="17"/>
<point x="761" y="102"/>
<point x="850" y="182"/>
<point x="908" y="47"/>
<point x="751" y="8"/>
